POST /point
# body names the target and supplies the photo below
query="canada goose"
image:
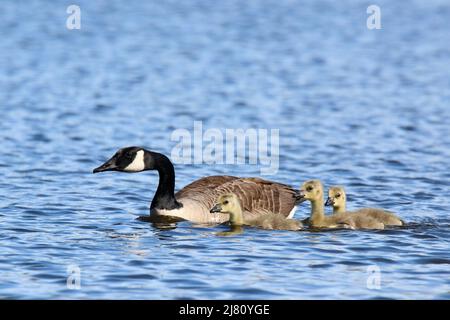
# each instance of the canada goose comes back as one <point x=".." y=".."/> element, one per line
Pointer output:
<point x="337" y="198"/>
<point x="195" y="200"/>
<point x="312" y="190"/>
<point x="229" y="204"/>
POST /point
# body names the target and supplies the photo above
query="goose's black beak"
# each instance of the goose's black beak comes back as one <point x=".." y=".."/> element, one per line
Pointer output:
<point x="109" y="165"/>
<point x="329" y="202"/>
<point x="216" y="208"/>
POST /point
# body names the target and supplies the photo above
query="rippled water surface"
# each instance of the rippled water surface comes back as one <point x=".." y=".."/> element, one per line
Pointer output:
<point x="368" y="109"/>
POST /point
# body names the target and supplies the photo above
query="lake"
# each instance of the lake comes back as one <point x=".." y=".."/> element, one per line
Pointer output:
<point x="367" y="109"/>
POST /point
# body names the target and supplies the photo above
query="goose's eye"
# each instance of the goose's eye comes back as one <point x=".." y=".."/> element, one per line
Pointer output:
<point x="225" y="202"/>
<point x="338" y="195"/>
<point x="309" y="188"/>
<point x="129" y="155"/>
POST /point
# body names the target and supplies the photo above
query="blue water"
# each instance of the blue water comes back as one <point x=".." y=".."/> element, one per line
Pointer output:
<point x="368" y="109"/>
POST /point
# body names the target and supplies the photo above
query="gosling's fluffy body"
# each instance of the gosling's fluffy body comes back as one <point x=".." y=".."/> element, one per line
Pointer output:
<point x="275" y="222"/>
<point x="312" y="190"/>
<point x="338" y="199"/>
<point x="230" y="204"/>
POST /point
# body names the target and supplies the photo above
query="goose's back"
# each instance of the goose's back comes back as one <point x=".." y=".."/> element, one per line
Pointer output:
<point x="338" y="220"/>
<point x="383" y="216"/>
<point x="203" y="184"/>
<point x="362" y="221"/>
<point x="272" y="221"/>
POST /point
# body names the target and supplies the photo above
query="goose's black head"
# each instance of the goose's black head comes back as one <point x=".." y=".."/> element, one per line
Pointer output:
<point x="130" y="159"/>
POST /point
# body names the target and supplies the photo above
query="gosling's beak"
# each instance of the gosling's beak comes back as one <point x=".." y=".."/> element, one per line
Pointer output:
<point x="329" y="202"/>
<point x="301" y="196"/>
<point x="109" y="165"/>
<point x="216" y="208"/>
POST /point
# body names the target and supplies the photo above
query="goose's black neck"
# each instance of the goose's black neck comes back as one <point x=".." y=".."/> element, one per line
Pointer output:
<point x="165" y="194"/>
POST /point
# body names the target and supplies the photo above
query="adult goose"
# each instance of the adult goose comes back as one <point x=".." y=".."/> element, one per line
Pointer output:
<point x="195" y="200"/>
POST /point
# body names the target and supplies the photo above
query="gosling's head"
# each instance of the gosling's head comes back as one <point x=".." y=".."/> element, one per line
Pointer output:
<point x="130" y="159"/>
<point x="228" y="204"/>
<point x="336" y="197"/>
<point x="311" y="190"/>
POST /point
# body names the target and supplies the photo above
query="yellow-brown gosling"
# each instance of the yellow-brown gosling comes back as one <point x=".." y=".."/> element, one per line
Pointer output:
<point x="230" y="204"/>
<point x="338" y="199"/>
<point x="312" y="190"/>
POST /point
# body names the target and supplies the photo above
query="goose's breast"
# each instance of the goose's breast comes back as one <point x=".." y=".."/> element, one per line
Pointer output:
<point x="192" y="211"/>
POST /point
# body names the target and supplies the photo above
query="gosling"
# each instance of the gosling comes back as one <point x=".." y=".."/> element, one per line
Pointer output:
<point x="312" y="190"/>
<point x="230" y="204"/>
<point x="337" y="199"/>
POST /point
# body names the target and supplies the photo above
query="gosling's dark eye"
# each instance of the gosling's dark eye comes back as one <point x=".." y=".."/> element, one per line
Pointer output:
<point x="225" y="202"/>
<point x="309" y="188"/>
<point x="338" y="195"/>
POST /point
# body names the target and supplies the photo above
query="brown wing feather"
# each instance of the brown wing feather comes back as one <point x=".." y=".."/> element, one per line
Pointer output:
<point x="260" y="196"/>
<point x="257" y="196"/>
<point x="203" y="184"/>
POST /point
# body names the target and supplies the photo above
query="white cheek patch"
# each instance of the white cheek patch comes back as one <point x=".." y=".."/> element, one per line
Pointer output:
<point x="138" y="163"/>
